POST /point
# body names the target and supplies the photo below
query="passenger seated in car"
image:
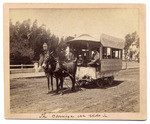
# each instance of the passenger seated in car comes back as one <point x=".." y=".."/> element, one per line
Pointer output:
<point x="95" y="59"/>
<point x="80" y="60"/>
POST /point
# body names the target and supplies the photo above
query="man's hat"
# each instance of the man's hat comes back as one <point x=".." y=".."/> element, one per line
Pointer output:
<point x="45" y="44"/>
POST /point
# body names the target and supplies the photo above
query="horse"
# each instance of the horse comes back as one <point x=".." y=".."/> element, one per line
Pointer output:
<point x="65" y="69"/>
<point x="48" y="63"/>
<point x="60" y="70"/>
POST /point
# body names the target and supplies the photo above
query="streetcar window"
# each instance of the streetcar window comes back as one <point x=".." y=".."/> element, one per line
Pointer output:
<point x="106" y="53"/>
<point x="116" y="54"/>
<point x="112" y="53"/>
<point x="109" y="53"/>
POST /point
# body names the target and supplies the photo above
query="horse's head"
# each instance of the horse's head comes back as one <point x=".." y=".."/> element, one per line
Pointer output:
<point x="48" y="61"/>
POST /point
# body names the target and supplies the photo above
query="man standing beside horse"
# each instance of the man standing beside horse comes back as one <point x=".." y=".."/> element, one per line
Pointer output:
<point x="43" y="54"/>
<point x="48" y="63"/>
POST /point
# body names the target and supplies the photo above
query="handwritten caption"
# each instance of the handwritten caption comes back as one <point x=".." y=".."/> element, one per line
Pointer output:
<point x="72" y="116"/>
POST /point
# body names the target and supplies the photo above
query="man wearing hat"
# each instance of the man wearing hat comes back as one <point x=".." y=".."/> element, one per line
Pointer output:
<point x="45" y="48"/>
<point x="42" y="55"/>
<point x="95" y="58"/>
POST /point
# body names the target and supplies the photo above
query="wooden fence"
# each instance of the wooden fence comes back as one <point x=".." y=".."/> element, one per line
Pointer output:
<point x="30" y="68"/>
<point x="21" y="66"/>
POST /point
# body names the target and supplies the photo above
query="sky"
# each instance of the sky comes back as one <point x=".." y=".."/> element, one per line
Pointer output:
<point x="71" y="22"/>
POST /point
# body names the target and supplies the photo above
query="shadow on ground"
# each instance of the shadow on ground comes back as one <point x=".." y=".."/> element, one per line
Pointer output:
<point x="91" y="85"/>
<point x="66" y="91"/>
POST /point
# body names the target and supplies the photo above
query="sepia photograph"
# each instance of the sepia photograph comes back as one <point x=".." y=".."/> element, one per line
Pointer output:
<point x="75" y="61"/>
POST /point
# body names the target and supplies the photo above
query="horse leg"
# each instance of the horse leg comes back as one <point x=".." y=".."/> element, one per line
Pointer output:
<point x="48" y="83"/>
<point x="57" y="85"/>
<point x="73" y="82"/>
<point x="61" y="84"/>
<point x="52" y="81"/>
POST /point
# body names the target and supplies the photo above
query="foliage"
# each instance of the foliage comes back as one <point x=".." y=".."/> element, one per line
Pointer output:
<point x="131" y="49"/>
<point x="61" y="49"/>
<point x="20" y="50"/>
<point x="26" y="41"/>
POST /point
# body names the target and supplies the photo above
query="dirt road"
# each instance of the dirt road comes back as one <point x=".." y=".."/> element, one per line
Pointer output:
<point x="30" y="96"/>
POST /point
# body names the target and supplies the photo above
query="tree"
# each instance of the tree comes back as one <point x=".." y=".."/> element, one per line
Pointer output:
<point x="61" y="49"/>
<point x="132" y="46"/>
<point x="26" y="42"/>
<point x="20" y="51"/>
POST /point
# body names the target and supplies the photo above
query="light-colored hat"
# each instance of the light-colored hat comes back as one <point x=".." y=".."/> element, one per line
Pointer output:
<point x="45" y="44"/>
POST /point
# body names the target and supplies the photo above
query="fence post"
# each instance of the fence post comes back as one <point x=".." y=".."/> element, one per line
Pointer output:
<point x="126" y="66"/>
<point x="36" y="67"/>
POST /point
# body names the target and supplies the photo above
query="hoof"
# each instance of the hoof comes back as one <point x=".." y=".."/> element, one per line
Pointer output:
<point x="73" y="89"/>
<point x="49" y="92"/>
<point x="61" y="93"/>
<point x="57" y="92"/>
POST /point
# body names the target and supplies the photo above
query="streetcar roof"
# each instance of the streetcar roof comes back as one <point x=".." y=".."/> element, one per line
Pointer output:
<point x="110" y="41"/>
<point x="105" y="40"/>
<point x="84" y="37"/>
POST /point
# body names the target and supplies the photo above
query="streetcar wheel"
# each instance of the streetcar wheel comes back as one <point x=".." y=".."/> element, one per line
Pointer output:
<point x="110" y="80"/>
<point x="99" y="83"/>
<point x="83" y="84"/>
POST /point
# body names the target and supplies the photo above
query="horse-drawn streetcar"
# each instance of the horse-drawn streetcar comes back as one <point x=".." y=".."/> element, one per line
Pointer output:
<point x="97" y="59"/>
<point x="90" y="60"/>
